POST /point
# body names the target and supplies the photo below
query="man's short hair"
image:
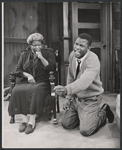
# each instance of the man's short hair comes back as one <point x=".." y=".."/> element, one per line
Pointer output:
<point x="86" y="36"/>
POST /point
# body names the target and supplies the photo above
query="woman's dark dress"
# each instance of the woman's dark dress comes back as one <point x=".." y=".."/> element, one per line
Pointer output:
<point x="30" y="98"/>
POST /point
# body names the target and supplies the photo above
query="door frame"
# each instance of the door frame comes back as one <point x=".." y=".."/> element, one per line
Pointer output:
<point x="106" y="47"/>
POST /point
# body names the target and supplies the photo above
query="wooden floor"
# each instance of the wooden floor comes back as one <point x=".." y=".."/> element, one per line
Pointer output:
<point x="47" y="135"/>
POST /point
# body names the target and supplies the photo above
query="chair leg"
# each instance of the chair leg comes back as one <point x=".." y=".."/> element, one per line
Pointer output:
<point x="12" y="120"/>
<point x="58" y="107"/>
<point x="54" y="111"/>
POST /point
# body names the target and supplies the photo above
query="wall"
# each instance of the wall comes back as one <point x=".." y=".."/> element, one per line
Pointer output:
<point x="116" y="41"/>
<point x="116" y="25"/>
<point x="20" y="19"/>
<point x="23" y="18"/>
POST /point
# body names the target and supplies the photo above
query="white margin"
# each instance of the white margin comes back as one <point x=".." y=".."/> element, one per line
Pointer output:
<point x="2" y="74"/>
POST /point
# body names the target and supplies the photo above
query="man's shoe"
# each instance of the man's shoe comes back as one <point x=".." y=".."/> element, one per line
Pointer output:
<point x="23" y="127"/>
<point x="109" y="113"/>
<point x="29" y="129"/>
<point x="12" y="120"/>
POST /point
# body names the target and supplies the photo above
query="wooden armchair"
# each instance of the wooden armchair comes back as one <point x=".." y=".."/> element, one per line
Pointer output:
<point x="52" y="78"/>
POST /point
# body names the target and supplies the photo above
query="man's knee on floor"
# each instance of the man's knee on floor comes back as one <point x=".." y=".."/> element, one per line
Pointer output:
<point x="86" y="132"/>
<point x="68" y="125"/>
<point x="65" y="124"/>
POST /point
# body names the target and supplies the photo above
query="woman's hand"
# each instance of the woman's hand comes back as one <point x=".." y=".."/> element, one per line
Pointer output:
<point x="43" y="60"/>
<point x="31" y="79"/>
<point x="39" y="54"/>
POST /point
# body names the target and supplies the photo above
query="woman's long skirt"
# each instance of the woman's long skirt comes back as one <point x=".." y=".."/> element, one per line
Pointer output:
<point x="32" y="99"/>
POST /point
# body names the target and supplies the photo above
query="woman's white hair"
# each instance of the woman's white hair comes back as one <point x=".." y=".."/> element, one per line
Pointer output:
<point x="35" y="37"/>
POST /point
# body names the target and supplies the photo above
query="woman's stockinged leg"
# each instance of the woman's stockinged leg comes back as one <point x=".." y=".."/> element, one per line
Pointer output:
<point x="32" y="119"/>
<point x="24" y="118"/>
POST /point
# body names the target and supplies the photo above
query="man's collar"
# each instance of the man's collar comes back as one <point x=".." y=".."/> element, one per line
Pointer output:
<point x="81" y="59"/>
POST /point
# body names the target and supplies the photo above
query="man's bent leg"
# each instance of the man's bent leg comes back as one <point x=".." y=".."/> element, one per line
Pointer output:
<point x="70" y="118"/>
<point x="90" y="115"/>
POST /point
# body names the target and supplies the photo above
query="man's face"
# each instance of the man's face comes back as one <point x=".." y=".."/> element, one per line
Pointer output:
<point x="80" y="47"/>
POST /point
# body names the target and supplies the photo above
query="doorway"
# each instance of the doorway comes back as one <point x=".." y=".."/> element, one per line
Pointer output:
<point x="95" y="19"/>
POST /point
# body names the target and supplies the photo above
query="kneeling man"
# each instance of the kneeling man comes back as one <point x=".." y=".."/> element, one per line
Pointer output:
<point x="84" y="90"/>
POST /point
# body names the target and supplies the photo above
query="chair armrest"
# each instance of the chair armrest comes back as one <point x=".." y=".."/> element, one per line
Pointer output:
<point x="6" y="94"/>
<point x="12" y="79"/>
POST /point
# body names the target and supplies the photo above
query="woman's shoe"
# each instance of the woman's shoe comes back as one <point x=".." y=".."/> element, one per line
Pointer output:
<point x="23" y="127"/>
<point x="29" y="129"/>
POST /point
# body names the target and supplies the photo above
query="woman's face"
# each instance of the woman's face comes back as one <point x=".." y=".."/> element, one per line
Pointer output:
<point x="36" y="46"/>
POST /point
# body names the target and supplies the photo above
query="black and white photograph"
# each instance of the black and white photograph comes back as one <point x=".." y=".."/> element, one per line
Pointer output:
<point x="61" y="74"/>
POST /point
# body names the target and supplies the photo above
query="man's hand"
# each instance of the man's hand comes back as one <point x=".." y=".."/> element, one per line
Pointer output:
<point x="31" y="79"/>
<point x="60" y="90"/>
<point x="66" y="105"/>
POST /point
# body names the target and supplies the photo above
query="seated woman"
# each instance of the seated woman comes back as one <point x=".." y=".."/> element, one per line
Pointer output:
<point x="32" y="94"/>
